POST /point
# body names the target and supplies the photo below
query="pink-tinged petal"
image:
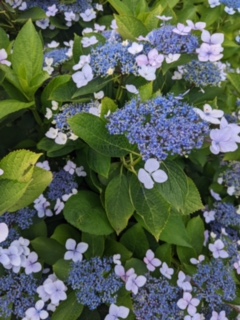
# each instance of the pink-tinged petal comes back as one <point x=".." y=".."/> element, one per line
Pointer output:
<point x="191" y="310"/>
<point x="159" y="176"/>
<point x="142" y="60"/>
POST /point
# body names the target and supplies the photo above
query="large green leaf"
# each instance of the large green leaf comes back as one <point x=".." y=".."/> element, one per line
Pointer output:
<point x="95" y="243"/>
<point x="10" y="192"/>
<point x="93" y="86"/>
<point x="39" y="182"/>
<point x="120" y="7"/>
<point x="234" y="78"/>
<point x="135" y="240"/>
<point x="98" y="162"/>
<point x="175" y="232"/>
<point x="117" y="202"/>
<point x="152" y="210"/>
<point x="193" y="200"/>
<point x="175" y="189"/>
<point x="49" y="250"/>
<point x="85" y="212"/>
<point x="130" y="27"/>
<point x="93" y="131"/>
<point x="69" y="309"/>
<point x="19" y="165"/>
<point x="10" y="106"/>
<point x="27" y="56"/>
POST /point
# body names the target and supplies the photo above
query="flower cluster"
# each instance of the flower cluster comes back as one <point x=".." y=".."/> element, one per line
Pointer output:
<point x="160" y="127"/>
<point x="94" y="282"/>
<point x="230" y="178"/>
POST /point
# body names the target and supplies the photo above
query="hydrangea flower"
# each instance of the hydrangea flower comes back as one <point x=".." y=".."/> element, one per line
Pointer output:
<point x="116" y="312"/>
<point x="189" y="303"/>
<point x="151" y="261"/>
<point x="37" y="312"/>
<point x="151" y="173"/>
<point x="74" y="250"/>
<point x="4" y="231"/>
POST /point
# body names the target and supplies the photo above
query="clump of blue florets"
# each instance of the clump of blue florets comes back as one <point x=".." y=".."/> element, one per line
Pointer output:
<point x="160" y="127"/>
<point x="166" y="41"/>
<point x="94" y="282"/>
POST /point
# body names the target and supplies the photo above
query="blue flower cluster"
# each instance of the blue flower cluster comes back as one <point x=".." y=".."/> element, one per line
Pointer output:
<point x="17" y="292"/>
<point x="63" y="183"/>
<point x="157" y="299"/>
<point x="160" y="127"/>
<point x="231" y="178"/>
<point x="58" y="55"/>
<point x="68" y="111"/>
<point x="22" y="218"/>
<point x="235" y="4"/>
<point x="210" y="280"/>
<point x="77" y="6"/>
<point x="94" y="282"/>
<point x="112" y="56"/>
<point x="166" y="41"/>
<point x="226" y="215"/>
<point x="202" y="74"/>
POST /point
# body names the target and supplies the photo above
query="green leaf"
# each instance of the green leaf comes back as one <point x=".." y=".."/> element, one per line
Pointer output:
<point x="164" y="253"/>
<point x="174" y="190"/>
<point x="107" y="105"/>
<point x="4" y="40"/>
<point x="56" y="150"/>
<point x="175" y="232"/>
<point x="32" y="13"/>
<point x="115" y="247"/>
<point x="146" y="91"/>
<point x="130" y="27"/>
<point x="10" y="106"/>
<point x="49" y="250"/>
<point x="52" y="85"/>
<point x="152" y="210"/>
<point x="95" y="243"/>
<point x="27" y="56"/>
<point x="135" y="240"/>
<point x="93" y="86"/>
<point x="84" y="211"/>
<point x="118" y="204"/>
<point x="120" y="7"/>
<point x="93" y="131"/>
<point x="39" y="182"/>
<point x="62" y="269"/>
<point x="136" y="6"/>
<point x="10" y="192"/>
<point x="69" y="309"/>
<point x="234" y="78"/>
<point x="195" y="229"/>
<point x="232" y="155"/>
<point x="138" y="265"/>
<point x="63" y="232"/>
<point x="19" y="165"/>
<point x="193" y="200"/>
<point x="63" y="92"/>
<point x="98" y="162"/>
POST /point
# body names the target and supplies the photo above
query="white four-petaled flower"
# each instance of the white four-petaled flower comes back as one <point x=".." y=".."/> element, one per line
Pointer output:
<point x="116" y="312"/>
<point x="151" y="173"/>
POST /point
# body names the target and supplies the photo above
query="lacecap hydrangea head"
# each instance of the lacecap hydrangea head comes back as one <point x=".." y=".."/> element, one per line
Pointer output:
<point x="160" y="127"/>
